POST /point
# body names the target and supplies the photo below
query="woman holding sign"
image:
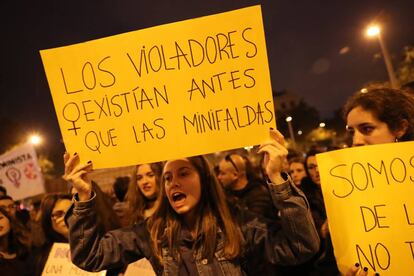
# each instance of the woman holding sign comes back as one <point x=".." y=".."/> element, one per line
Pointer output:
<point x="193" y="231"/>
<point x="376" y="116"/>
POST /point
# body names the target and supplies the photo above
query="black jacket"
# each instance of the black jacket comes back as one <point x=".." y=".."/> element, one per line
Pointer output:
<point x="255" y="197"/>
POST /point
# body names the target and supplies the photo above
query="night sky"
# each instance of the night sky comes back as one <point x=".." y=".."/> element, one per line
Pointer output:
<point x="304" y="39"/>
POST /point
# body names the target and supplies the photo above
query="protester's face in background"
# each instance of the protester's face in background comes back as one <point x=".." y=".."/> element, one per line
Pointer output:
<point x="297" y="172"/>
<point x="227" y="174"/>
<point x="57" y="217"/>
<point x="366" y="129"/>
<point x="9" y="206"/>
<point x="34" y="212"/>
<point x="147" y="181"/>
<point x="182" y="186"/>
<point x="313" y="169"/>
<point x="4" y="225"/>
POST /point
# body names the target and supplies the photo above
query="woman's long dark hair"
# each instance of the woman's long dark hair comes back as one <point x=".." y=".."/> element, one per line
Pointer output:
<point x="17" y="237"/>
<point x="46" y="208"/>
<point x="138" y="202"/>
<point x="213" y="214"/>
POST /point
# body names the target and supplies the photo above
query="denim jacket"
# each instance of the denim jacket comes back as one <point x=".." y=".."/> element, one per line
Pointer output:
<point x="294" y="242"/>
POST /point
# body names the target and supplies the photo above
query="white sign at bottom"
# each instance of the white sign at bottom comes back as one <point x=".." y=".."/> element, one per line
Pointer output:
<point x="141" y="267"/>
<point x="59" y="263"/>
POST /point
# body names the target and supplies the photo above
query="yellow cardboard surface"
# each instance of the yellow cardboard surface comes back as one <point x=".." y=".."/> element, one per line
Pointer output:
<point x="368" y="193"/>
<point x="175" y="90"/>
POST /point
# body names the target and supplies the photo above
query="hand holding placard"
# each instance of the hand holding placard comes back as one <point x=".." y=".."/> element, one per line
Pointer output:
<point x="275" y="155"/>
<point x="368" y="197"/>
<point x="76" y="174"/>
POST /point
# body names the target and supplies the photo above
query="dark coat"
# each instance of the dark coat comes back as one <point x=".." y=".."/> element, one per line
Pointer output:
<point x="255" y="197"/>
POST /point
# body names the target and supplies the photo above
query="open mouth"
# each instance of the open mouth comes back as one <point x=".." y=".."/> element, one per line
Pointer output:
<point x="178" y="197"/>
<point x="147" y="188"/>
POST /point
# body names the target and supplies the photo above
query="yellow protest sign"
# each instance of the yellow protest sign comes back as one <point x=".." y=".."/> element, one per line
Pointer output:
<point x="368" y="193"/>
<point x="176" y="90"/>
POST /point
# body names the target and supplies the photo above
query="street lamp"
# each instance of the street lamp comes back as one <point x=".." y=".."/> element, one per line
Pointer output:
<point x="292" y="135"/>
<point x="322" y="125"/>
<point x="375" y="30"/>
<point x="35" y="139"/>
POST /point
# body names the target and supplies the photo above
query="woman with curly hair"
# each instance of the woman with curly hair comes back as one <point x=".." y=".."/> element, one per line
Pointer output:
<point x="380" y="115"/>
<point x="376" y="116"/>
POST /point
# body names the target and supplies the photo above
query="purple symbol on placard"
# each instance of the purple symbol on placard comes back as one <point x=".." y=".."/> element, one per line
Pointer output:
<point x="14" y="176"/>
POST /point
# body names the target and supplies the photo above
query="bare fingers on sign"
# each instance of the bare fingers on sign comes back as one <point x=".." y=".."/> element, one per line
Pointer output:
<point x="357" y="270"/>
<point x="275" y="154"/>
<point x="276" y="135"/>
<point x="76" y="174"/>
<point x="70" y="162"/>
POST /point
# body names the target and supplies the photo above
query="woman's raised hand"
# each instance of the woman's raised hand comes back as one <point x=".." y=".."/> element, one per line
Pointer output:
<point x="275" y="155"/>
<point x="77" y="175"/>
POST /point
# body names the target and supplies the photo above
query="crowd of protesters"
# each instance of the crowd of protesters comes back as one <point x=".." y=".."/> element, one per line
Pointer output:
<point x="228" y="215"/>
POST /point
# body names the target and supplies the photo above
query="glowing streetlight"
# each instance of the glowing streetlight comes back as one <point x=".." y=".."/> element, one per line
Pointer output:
<point x="364" y="90"/>
<point x="375" y="31"/>
<point x="35" y="139"/>
<point x="291" y="133"/>
<point x="300" y="132"/>
<point x="322" y="124"/>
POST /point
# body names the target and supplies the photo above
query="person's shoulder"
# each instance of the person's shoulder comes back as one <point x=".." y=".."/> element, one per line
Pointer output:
<point x="257" y="187"/>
